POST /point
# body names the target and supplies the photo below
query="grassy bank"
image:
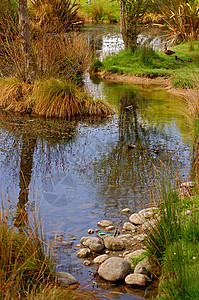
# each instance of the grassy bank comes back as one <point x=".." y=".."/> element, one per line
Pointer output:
<point x="173" y="244"/>
<point x="149" y="63"/>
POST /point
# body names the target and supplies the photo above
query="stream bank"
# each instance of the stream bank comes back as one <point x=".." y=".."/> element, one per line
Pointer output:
<point x="164" y="82"/>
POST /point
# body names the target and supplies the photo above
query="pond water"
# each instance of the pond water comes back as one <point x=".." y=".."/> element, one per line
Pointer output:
<point x="82" y="171"/>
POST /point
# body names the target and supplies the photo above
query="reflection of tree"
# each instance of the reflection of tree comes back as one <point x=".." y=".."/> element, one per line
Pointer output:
<point x="25" y="134"/>
<point x="126" y="175"/>
<point x="26" y="164"/>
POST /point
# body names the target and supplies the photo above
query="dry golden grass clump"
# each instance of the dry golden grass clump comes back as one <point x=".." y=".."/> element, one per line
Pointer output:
<point x="59" y="98"/>
<point x="50" y="98"/>
<point x="61" y="56"/>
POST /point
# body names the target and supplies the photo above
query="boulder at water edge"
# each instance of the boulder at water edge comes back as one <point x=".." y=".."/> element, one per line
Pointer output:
<point x="137" y="219"/>
<point x="114" y="268"/>
<point x="66" y="278"/>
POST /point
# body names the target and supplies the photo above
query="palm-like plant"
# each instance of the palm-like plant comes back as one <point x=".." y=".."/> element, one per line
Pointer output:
<point x="61" y="15"/>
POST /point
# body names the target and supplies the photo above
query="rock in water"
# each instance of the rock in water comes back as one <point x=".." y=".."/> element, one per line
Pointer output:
<point x="66" y="278"/>
<point x="126" y="210"/>
<point x="129" y="227"/>
<point x="90" y="231"/>
<point x="114" y="268"/>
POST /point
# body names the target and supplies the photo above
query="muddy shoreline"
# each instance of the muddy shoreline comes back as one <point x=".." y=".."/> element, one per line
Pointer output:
<point x="164" y="82"/>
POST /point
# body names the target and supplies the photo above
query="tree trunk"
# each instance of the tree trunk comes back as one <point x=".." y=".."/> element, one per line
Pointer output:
<point x="24" y="25"/>
<point x="128" y="26"/>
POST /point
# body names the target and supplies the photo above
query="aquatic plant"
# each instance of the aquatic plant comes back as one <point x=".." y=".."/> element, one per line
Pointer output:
<point x="24" y="261"/>
<point x="27" y="263"/>
<point x="62" y="56"/>
<point x="95" y="66"/>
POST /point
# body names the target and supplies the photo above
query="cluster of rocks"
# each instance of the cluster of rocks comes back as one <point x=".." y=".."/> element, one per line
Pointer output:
<point x="116" y="255"/>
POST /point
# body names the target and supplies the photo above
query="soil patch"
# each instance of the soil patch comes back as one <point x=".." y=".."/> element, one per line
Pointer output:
<point x="145" y="81"/>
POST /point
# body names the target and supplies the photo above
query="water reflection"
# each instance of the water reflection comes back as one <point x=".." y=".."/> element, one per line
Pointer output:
<point x="125" y="177"/>
<point x="26" y="164"/>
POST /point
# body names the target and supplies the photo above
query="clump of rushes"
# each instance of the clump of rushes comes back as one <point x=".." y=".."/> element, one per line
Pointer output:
<point x="59" y="98"/>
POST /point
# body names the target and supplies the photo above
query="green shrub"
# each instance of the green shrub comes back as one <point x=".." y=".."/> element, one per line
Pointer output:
<point x="95" y="66"/>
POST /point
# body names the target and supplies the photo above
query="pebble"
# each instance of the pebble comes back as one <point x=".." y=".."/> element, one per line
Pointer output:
<point x="110" y="228"/>
<point x="86" y="262"/>
<point x="113" y="243"/>
<point x="137" y="279"/>
<point x="83" y="252"/>
<point x="188" y="184"/>
<point x="126" y="210"/>
<point x="90" y="231"/>
<point x="94" y="243"/>
<point x="100" y="259"/>
<point x="104" y="223"/>
<point x="67" y="242"/>
<point x="66" y="278"/>
<point x="137" y="219"/>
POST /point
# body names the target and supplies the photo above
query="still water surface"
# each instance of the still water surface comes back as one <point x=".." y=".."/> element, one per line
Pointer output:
<point x="82" y="171"/>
